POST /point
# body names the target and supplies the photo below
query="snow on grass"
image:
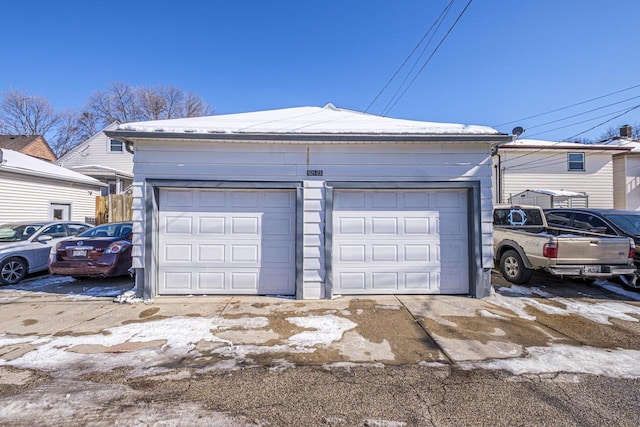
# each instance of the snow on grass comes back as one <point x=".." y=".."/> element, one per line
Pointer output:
<point x="568" y="359"/>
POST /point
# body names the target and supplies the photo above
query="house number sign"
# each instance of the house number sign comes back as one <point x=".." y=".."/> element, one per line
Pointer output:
<point x="314" y="172"/>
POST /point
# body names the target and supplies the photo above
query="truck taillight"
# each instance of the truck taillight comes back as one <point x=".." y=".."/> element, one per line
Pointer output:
<point x="550" y="250"/>
<point x="632" y="251"/>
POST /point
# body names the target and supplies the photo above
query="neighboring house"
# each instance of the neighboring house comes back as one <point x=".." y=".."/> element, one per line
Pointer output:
<point x="527" y="164"/>
<point x="626" y="170"/>
<point x="311" y="202"/>
<point x="33" y="190"/>
<point x="31" y="145"/>
<point x="104" y="159"/>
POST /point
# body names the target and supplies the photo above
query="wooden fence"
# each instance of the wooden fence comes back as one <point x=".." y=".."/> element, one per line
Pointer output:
<point x="113" y="208"/>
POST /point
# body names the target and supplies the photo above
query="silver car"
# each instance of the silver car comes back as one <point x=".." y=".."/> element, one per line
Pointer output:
<point x="25" y="246"/>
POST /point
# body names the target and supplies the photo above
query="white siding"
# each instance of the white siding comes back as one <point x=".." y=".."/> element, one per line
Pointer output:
<point x="202" y="160"/>
<point x="527" y="170"/>
<point x="95" y="151"/>
<point x="25" y="198"/>
<point x="619" y="182"/>
<point x="632" y="181"/>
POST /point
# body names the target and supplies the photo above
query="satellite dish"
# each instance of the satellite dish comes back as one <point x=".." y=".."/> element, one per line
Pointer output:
<point x="517" y="131"/>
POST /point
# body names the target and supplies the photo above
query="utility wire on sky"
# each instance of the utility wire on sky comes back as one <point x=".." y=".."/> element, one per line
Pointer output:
<point x="443" y="14"/>
<point x="391" y="106"/>
<point x="567" y="107"/>
<point x="404" y="86"/>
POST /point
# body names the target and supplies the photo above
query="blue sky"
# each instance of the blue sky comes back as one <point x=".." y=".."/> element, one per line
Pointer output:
<point x="504" y="60"/>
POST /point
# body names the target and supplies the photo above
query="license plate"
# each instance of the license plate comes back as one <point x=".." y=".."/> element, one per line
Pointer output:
<point x="591" y="269"/>
<point x="79" y="252"/>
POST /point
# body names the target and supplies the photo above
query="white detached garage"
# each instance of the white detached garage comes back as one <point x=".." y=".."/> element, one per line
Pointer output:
<point x="311" y="202"/>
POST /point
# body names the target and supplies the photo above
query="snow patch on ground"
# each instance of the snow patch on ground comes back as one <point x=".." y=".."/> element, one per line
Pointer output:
<point x="568" y="359"/>
<point x="599" y="312"/>
<point x="149" y="346"/>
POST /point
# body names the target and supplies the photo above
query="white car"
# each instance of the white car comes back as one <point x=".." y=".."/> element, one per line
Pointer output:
<point x="25" y="246"/>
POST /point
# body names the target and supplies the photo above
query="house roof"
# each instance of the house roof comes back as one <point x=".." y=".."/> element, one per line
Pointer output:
<point x="16" y="142"/>
<point x="537" y="144"/>
<point x="622" y="142"/>
<point x="13" y="161"/>
<point x="299" y="123"/>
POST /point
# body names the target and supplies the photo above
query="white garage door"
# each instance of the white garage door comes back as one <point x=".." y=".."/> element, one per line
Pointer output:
<point x="400" y="241"/>
<point x="226" y="242"/>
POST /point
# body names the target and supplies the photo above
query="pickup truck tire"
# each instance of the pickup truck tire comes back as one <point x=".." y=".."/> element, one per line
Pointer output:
<point x="512" y="268"/>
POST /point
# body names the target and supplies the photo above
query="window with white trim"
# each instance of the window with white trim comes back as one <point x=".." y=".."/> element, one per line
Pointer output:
<point x="575" y="162"/>
<point x="115" y="146"/>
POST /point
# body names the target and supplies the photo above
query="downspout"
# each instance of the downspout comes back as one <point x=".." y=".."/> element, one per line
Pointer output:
<point x="128" y="145"/>
<point x="499" y="179"/>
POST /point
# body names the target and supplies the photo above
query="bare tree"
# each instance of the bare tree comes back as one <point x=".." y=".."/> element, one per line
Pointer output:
<point x="72" y="129"/>
<point x="25" y="114"/>
<point x="124" y="103"/>
<point x="612" y="132"/>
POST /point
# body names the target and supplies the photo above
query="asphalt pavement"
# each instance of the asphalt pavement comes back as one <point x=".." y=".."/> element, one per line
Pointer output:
<point x="553" y="352"/>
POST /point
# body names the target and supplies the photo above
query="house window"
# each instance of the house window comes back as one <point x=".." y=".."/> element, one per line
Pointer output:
<point x="115" y="146"/>
<point x="575" y="161"/>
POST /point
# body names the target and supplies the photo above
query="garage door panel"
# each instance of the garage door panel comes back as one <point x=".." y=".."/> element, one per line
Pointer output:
<point x="177" y="253"/>
<point x="210" y="281"/>
<point x="211" y="225"/>
<point x="399" y="241"/>
<point x="227" y="241"/>
<point x="211" y="253"/>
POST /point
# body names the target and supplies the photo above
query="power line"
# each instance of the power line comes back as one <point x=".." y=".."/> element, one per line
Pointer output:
<point x="583" y="121"/>
<point x="389" y="108"/>
<point x="568" y="106"/>
<point x="584" y="112"/>
<point x="417" y="61"/>
<point x="441" y="16"/>
<point x="606" y="121"/>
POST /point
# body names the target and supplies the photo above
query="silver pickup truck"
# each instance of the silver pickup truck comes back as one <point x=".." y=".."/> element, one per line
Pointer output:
<point x="523" y="242"/>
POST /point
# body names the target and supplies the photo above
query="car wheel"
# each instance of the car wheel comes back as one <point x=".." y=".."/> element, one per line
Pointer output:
<point x="513" y="269"/>
<point x="631" y="281"/>
<point x="12" y="270"/>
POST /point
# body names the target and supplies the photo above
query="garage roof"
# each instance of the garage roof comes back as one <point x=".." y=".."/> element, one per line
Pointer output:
<point x="15" y="162"/>
<point x="328" y="120"/>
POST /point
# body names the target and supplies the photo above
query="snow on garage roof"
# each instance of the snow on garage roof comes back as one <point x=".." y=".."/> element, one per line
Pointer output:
<point x="304" y="120"/>
<point x="15" y="162"/>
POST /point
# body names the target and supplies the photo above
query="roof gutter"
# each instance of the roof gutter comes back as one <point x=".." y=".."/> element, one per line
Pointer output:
<point x="129" y="137"/>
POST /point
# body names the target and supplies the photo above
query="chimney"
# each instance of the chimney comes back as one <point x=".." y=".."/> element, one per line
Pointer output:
<point x="626" y="131"/>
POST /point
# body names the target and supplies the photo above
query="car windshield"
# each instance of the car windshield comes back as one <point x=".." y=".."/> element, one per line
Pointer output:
<point x="17" y="232"/>
<point x="108" y="230"/>
<point x="629" y="223"/>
